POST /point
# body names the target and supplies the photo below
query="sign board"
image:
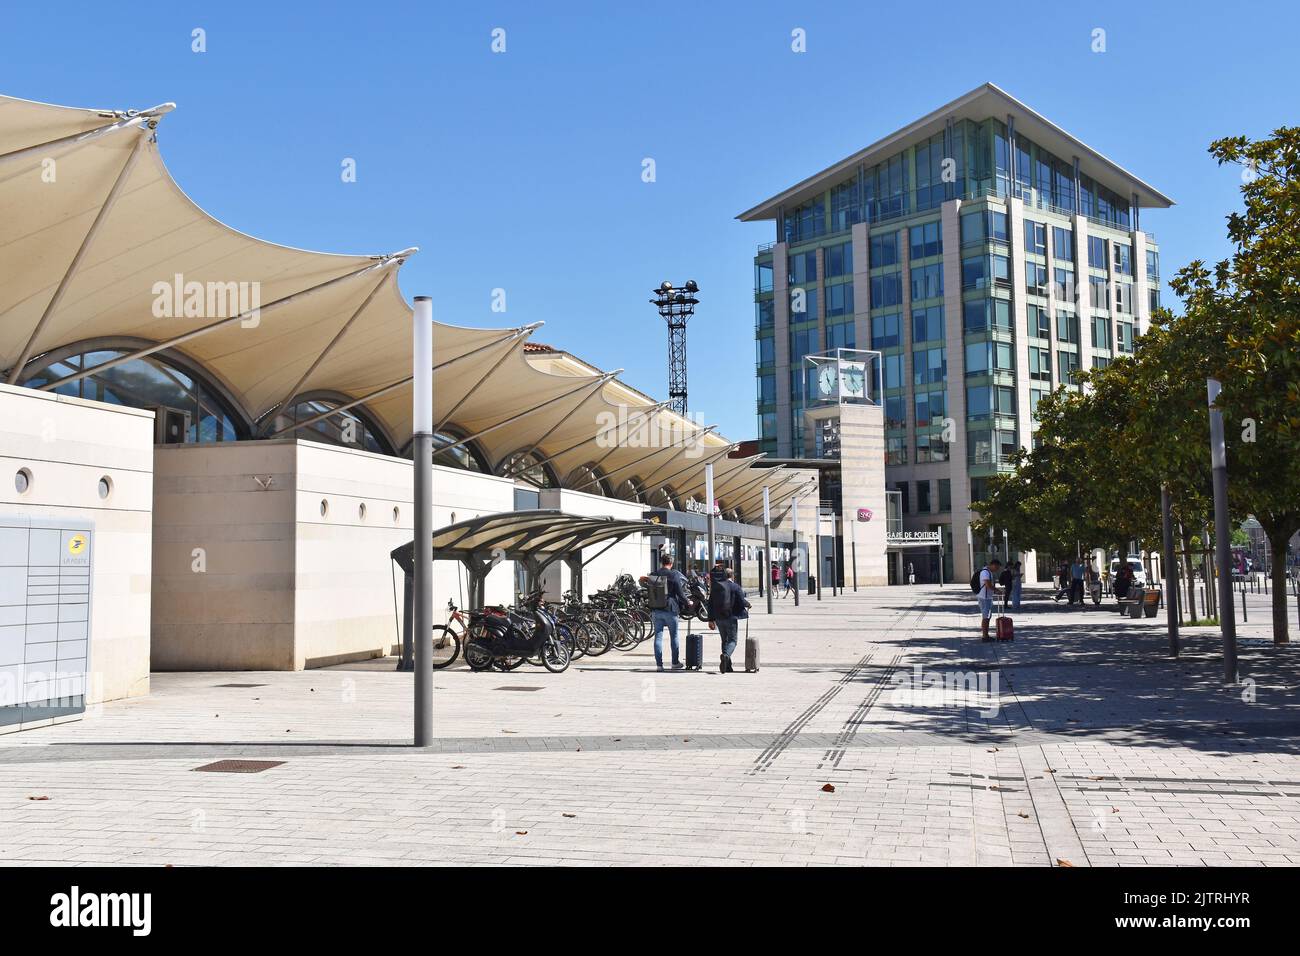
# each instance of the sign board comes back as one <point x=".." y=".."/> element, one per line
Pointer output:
<point x="699" y="507"/>
<point x="912" y="537"/>
<point x="865" y="514"/>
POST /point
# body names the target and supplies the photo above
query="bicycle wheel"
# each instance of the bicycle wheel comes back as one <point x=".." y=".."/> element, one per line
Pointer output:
<point x="598" y="639"/>
<point x="446" y="646"/>
<point x="507" y="663"/>
<point x="622" y="636"/>
<point x="566" y="634"/>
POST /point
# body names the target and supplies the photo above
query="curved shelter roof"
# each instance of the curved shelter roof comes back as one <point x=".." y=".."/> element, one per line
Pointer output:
<point x="98" y="241"/>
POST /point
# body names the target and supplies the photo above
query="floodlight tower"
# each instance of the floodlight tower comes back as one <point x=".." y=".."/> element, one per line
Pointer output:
<point x="676" y="306"/>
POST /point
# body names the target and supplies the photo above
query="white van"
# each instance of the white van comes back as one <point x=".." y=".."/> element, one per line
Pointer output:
<point x="1134" y="562"/>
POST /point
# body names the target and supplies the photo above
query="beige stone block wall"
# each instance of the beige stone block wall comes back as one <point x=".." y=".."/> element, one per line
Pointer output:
<point x="68" y="444"/>
<point x="283" y="586"/>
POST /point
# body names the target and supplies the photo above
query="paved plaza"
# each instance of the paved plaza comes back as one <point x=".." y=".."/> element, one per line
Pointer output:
<point x="879" y="731"/>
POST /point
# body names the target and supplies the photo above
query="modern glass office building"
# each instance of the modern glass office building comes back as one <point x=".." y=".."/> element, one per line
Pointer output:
<point x="988" y="255"/>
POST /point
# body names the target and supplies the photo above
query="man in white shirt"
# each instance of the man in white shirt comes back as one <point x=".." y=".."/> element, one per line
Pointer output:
<point x="988" y="591"/>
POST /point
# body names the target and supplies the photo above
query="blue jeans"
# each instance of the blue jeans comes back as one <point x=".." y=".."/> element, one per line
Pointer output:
<point x="728" y="629"/>
<point x="668" y="619"/>
<point x="1015" y="596"/>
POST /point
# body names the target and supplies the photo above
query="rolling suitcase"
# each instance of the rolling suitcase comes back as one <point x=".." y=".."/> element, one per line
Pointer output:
<point x="751" y="651"/>
<point x="1006" y="630"/>
<point x="694" y="650"/>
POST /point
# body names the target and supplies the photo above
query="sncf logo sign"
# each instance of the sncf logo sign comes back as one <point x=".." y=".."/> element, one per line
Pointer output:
<point x="864" y="514"/>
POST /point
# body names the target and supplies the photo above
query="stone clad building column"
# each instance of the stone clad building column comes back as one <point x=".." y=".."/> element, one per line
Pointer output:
<point x="954" y="340"/>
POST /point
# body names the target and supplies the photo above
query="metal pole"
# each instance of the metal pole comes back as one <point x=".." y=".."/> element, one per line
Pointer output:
<point x="794" y="554"/>
<point x="708" y="511"/>
<point x="853" y="547"/>
<point x="817" y="534"/>
<point x="422" y="459"/>
<point x="767" y="545"/>
<point x="1222" y="534"/>
<point x="835" y="555"/>
<point x="970" y="546"/>
<point x="1168" y="563"/>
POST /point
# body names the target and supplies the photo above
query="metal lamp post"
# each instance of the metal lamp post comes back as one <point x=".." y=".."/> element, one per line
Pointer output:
<point x="422" y="459"/>
<point x="794" y="554"/>
<point x="767" y="544"/>
<point x="708" y="511"/>
<point x="1222" y="533"/>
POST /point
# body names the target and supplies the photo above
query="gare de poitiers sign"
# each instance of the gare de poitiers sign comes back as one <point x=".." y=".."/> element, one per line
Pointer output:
<point x="905" y="538"/>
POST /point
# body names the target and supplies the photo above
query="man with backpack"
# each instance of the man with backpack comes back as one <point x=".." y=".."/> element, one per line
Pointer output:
<point x="667" y="596"/>
<point x="984" y="584"/>
<point x="727" y="608"/>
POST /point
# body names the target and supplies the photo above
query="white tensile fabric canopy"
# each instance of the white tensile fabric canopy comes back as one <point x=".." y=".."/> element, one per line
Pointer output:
<point x="98" y="244"/>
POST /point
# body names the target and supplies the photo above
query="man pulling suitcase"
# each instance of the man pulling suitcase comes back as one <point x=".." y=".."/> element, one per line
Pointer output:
<point x="727" y="607"/>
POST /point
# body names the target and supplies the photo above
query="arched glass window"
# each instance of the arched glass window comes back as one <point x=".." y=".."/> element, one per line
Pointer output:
<point x="527" y="466"/>
<point x="151" y="382"/>
<point x="631" y="490"/>
<point x="462" y="456"/>
<point x="350" y="428"/>
<point x="663" y="498"/>
<point x="588" y="479"/>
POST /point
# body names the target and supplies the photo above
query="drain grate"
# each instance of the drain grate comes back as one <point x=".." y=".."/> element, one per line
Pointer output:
<point x="518" y="687"/>
<point x="240" y="766"/>
<point x="238" y="685"/>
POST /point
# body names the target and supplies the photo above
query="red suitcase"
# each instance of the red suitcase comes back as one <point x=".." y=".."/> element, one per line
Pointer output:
<point x="1006" y="630"/>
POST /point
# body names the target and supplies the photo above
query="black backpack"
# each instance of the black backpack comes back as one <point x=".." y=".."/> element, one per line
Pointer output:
<point x="657" y="587"/>
<point x="975" y="581"/>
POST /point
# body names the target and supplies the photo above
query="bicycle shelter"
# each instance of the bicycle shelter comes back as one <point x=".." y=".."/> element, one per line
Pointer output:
<point x="534" y="538"/>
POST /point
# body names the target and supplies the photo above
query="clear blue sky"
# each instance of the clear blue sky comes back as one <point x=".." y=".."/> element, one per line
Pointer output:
<point x="523" y="170"/>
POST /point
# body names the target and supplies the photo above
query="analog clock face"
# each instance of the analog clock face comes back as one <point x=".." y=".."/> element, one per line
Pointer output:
<point x="826" y="380"/>
<point x="853" y="380"/>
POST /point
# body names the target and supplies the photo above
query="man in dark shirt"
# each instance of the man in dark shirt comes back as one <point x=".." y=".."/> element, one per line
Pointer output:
<point x="727" y="608"/>
<point x="667" y="617"/>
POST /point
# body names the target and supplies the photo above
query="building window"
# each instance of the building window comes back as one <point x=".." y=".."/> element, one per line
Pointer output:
<point x="927" y="281"/>
<point x="931" y="408"/>
<point x="887" y="290"/>
<point x="926" y="241"/>
<point x="1062" y="244"/>
<point x="895" y="450"/>
<point x="1036" y="395"/>
<point x="1123" y="258"/>
<point x="803" y="268"/>
<point x="886" y="330"/>
<point x="805" y="222"/>
<point x="765" y="314"/>
<point x="1067" y="363"/>
<point x="1040" y="365"/>
<point x="767" y="389"/>
<point x="839" y="335"/>
<point x="1035" y="278"/>
<point x="839" y="260"/>
<point x="1099" y="292"/>
<point x="1124" y="297"/>
<point x="803" y="342"/>
<point x="1067" y="327"/>
<point x="895" y="414"/>
<point x="1153" y="264"/>
<point x="884" y="250"/>
<point x="893" y="366"/>
<point x="945" y="494"/>
<point x="1097" y="252"/>
<point x="929" y="366"/>
<point x="765" y="347"/>
<point x="1063" y="281"/>
<point x="763" y="277"/>
<point x="922" y="494"/>
<point x="1040" y="322"/>
<point x="1035" y="238"/>
<point x="927" y="325"/>
<point x="1101" y="332"/>
<point x="1124" y="332"/>
<point x="839" y="299"/>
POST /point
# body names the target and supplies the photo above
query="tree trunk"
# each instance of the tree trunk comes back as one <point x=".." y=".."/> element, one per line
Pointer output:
<point x="1277" y="542"/>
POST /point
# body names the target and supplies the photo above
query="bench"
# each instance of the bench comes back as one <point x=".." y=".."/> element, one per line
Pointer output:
<point x="1141" y="602"/>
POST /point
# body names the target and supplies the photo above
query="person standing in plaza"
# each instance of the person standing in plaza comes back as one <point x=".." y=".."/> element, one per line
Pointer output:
<point x="1017" y="583"/>
<point x="987" y="592"/>
<point x="1076" y="581"/>
<point x="672" y="595"/>
<point x="789" y="579"/>
<point x="727" y="608"/>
